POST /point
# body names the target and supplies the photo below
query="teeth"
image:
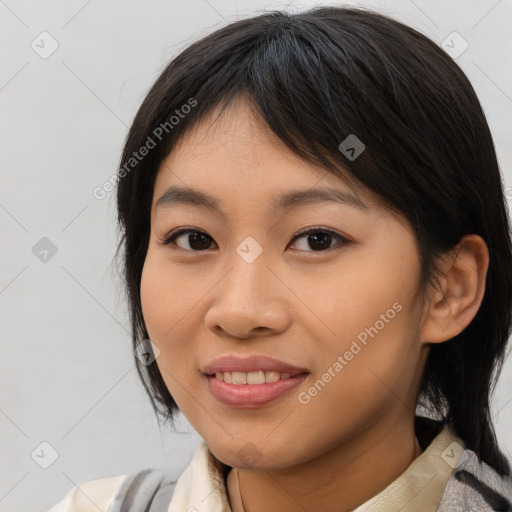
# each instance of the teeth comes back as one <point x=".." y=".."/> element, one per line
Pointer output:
<point x="259" y="377"/>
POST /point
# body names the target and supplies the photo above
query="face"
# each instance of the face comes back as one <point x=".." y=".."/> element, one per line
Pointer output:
<point x="326" y="286"/>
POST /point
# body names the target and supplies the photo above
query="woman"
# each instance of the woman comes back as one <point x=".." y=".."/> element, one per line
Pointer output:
<point x="317" y="245"/>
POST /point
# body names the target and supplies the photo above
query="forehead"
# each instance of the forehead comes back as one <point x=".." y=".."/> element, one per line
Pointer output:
<point x="238" y="154"/>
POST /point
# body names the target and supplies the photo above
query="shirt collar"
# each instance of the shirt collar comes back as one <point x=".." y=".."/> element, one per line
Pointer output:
<point x="203" y="483"/>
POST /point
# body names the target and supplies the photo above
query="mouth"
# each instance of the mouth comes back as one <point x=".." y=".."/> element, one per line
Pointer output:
<point x="252" y="390"/>
<point x="252" y="378"/>
<point x="254" y="381"/>
<point x="253" y="364"/>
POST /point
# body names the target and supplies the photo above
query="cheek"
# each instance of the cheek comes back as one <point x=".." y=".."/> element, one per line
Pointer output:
<point x="369" y="299"/>
<point x="369" y="319"/>
<point x="168" y="315"/>
<point x="364" y="372"/>
<point x="162" y="297"/>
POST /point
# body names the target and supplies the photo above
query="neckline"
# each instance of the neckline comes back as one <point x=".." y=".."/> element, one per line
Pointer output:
<point x="426" y="430"/>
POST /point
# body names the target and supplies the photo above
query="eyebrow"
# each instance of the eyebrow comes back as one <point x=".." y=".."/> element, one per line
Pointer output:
<point x="177" y="195"/>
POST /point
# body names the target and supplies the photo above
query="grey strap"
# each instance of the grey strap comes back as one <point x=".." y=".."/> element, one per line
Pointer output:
<point x="162" y="498"/>
<point x="473" y="485"/>
<point x="144" y="491"/>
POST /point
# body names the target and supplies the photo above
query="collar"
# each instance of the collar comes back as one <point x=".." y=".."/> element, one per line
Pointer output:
<point x="422" y="484"/>
<point x="420" y="487"/>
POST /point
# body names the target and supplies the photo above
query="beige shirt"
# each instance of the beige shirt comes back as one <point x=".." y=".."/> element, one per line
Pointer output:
<point x="202" y="486"/>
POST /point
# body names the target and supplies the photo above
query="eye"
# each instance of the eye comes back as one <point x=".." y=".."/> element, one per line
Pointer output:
<point x="318" y="238"/>
<point x="194" y="238"/>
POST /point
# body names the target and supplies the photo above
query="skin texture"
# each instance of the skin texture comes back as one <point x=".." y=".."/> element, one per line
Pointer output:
<point x="300" y="305"/>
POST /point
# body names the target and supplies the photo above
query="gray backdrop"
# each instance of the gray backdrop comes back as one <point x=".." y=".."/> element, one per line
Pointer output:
<point x="72" y="76"/>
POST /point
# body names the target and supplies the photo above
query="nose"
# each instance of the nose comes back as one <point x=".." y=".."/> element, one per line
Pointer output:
<point x="250" y="301"/>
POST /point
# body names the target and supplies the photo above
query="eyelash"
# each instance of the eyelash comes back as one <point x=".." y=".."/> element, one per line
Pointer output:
<point x="169" y="240"/>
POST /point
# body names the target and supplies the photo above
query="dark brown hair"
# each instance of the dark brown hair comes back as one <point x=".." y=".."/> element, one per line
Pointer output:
<point x="315" y="77"/>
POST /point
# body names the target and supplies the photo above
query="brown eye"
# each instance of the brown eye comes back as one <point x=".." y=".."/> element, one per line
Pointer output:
<point x="319" y="239"/>
<point x="197" y="240"/>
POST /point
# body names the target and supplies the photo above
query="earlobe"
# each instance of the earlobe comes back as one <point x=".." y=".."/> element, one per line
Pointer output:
<point x="453" y="306"/>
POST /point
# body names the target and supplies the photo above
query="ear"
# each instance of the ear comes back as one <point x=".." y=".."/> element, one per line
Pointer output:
<point x="462" y="286"/>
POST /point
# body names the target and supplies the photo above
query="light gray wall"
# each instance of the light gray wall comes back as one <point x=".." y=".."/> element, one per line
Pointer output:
<point x="66" y="373"/>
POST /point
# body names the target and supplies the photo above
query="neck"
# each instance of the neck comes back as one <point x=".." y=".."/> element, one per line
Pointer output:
<point x="349" y="474"/>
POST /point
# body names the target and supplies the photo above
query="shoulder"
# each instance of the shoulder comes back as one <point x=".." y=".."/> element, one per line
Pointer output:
<point x="90" y="496"/>
<point x="135" y="492"/>
<point x="474" y="483"/>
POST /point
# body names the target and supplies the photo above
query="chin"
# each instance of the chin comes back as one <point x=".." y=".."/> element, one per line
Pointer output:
<point x="247" y="454"/>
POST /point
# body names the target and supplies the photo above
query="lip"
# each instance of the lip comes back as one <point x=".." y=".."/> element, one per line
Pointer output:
<point x="249" y="396"/>
<point x="254" y="363"/>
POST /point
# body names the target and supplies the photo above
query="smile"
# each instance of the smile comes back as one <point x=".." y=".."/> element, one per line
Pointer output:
<point x="255" y="394"/>
<point x="250" y="378"/>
